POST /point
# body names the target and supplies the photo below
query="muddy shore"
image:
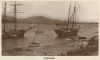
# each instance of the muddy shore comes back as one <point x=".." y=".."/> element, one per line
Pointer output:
<point x="52" y="50"/>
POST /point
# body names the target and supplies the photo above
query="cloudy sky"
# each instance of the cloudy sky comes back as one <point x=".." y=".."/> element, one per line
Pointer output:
<point x="88" y="10"/>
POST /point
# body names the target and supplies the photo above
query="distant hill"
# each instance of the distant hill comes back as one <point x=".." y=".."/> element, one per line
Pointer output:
<point x="8" y="18"/>
<point x="34" y="19"/>
<point x="41" y="19"/>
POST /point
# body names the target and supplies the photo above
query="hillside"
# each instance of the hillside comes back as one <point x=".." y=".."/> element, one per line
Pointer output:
<point x="35" y="19"/>
<point x="41" y="19"/>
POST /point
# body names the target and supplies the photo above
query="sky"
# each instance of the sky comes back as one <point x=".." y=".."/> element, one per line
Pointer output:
<point x="87" y="12"/>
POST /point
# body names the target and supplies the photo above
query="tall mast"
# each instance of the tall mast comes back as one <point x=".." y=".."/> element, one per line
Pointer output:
<point x="15" y="16"/>
<point x="74" y="12"/>
<point x="37" y="24"/>
<point x="74" y="16"/>
<point x="5" y="18"/>
<point x="68" y="15"/>
<point x="37" y="28"/>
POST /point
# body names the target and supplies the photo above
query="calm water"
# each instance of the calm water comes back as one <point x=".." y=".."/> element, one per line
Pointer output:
<point x="49" y="37"/>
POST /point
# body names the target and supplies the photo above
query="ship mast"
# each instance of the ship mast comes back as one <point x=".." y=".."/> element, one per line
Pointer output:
<point x="37" y="24"/>
<point x="37" y="29"/>
<point x="15" y="16"/>
<point x="68" y="16"/>
<point x="5" y="18"/>
<point x="74" y="13"/>
<point x="74" y="16"/>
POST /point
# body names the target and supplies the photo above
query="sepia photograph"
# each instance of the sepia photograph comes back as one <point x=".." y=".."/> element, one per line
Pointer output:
<point x="50" y="28"/>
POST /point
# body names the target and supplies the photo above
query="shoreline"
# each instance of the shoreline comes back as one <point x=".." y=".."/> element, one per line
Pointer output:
<point x="60" y="49"/>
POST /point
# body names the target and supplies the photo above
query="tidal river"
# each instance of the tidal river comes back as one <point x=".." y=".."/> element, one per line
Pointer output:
<point x="49" y="37"/>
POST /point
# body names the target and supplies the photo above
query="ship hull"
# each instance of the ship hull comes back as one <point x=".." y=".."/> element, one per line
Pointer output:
<point x="63" y="33"/>
<point x="18" y="33"/>
<point x="5" y="35"/>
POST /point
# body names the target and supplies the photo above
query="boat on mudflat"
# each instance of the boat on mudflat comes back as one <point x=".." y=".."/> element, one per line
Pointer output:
<point x="64" y="33"/>
<point x="13" y="32"/>
<point x="68" y="29"/>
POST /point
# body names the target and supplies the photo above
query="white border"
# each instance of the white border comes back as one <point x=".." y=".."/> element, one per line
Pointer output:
<point x="42" y="57"/>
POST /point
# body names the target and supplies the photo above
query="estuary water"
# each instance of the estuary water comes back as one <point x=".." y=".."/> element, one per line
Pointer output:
<point x="49" y="37"/>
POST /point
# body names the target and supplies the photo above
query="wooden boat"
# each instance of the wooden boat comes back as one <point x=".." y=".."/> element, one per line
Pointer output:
<point x="64" y="33"/>
<point x="70" y="30"/>
<point x="13" y="32"/>
<point x="33" y="43"/>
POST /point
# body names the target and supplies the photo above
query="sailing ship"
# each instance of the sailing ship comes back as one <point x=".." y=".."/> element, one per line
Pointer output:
<point x="70" y="30"/>
<point x="14" y="32"/>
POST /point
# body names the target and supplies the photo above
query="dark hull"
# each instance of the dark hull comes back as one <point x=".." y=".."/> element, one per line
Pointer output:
<point x="5" y="35"/>
<point x="63" y="33"/>
<point x="18" y="33"/>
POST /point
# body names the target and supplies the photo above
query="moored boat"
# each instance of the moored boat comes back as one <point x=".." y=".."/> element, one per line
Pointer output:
<point x="70" y="28"/>
<point x="13" y="32"/>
